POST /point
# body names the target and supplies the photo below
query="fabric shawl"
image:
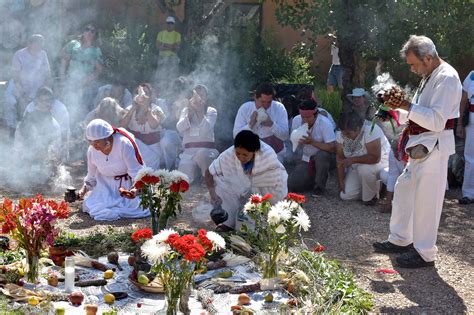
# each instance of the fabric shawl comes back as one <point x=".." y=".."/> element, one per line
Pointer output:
<point x="267" y="170"/>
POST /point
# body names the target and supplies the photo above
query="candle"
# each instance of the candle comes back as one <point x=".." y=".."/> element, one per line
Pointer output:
<point x="69" y="274"/>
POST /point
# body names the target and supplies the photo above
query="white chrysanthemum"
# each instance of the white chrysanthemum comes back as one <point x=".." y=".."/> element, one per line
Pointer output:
<point x="302" y="220"/>
<point x="283" y="208"/>
<point x="218" y="242"/>
<point x="280" y="229"/>
<point x="249" y="207"/>
<point x="163" y="235"/>
<point x="155" y="252"/>
<point x="274" y="216"/>
<point x="285" y="214"/>
<point x="144" y="171"/>
<point x="176" y="176"/>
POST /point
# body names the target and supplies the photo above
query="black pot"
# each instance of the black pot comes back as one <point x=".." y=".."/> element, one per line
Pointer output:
<point x="219" y="215"/>
<point x="4" y="243"/>
<point x="70" y="195"/>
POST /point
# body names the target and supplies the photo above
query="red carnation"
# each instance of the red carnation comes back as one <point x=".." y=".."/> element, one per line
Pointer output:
<point x="195" y="253"/>
<point x="296" y="197"/>
<point x="255" y="199"/>
<point x="138" y="185"/>
<point x="205" y="242"/>
<point x="319" y="248"/>
<point x="181" y="186"/>
<point x="150" y="179"/>
<point x="142" y="234"/>
<point x="267" y="197"/>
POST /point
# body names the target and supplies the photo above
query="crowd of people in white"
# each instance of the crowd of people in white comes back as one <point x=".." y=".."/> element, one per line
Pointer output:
<point x="127" y="130"/>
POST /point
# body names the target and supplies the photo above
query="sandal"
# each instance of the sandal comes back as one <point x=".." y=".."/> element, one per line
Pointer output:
<point x="465" y="201"/>
<point x="223" y="228"/>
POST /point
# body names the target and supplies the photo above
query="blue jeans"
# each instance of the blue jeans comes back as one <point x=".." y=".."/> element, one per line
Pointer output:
<point x="335" y="76"/>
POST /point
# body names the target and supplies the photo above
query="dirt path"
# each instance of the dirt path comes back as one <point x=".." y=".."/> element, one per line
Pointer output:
<point x="348" y="229"/>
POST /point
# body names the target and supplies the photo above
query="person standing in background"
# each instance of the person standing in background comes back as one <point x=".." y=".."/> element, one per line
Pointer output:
<point x="335" y="72"/>
<point x="168" y="42"/>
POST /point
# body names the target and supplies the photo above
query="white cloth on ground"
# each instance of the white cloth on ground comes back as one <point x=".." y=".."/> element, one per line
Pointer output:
<point x="268" y="176"/>
<point x="419" y="191"/>
<point x="196" y="159"/>
<point x="104" y="201"/>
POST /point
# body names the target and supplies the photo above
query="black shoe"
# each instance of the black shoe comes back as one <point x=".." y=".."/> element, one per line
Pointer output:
<point x="413" y="260"/>
<point x="465" y="201"/>
<point x="318" y="191"/>
<point x="370" y="203"/>
<point x="387" y="247"/>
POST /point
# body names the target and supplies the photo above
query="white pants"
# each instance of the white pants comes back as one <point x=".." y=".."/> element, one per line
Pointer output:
<point x="418" y="202"/>
<point x="389" y="175"/>
<point x="361" y="182"/>
<point x="468" y="184"/>
<point x="196" y="159"/>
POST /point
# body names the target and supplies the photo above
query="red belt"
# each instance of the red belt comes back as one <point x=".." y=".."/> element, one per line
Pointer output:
<point x="204" y="144"/>
<point x="147" y="138"/>
<point x="471" y="108"/>
<point x="414" y="129"/>
<point x="276" y="143"/>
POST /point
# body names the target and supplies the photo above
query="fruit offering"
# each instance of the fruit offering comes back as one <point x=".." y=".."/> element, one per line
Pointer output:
<point x="393" y="97"/>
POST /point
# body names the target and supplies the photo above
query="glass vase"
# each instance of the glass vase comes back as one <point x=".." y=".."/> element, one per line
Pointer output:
<point x="269" y="266"/>
<point x="32" y="272"/>
<point x="171" y="304"/>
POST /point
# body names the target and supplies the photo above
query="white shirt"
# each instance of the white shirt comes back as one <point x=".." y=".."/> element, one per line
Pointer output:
<point x="277" y="114"/>
<point x="59" y="113"/>
<point x="438" y="102"/>
<point x="369" y="137"/>
<point x="193" y="132"/>
<point x="468" y="86"/>
<point x="335" y="55"/>
<point x="33" y="70"/>
<point x="322" y="131"/>
<point x="145" y="128"/>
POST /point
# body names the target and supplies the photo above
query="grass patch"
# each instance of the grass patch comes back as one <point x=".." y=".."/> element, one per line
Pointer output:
<point x="330" y="101"/>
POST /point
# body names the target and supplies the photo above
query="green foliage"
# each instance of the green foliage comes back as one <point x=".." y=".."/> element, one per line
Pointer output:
<point x="378" y="29"/>
<point x="10" y="256"/>
<point x="66" y="239"/>
<point x="331" y="289"/>
<point x="329" y="101"/>
<point x="129" y="51"/>
<point x="98" y="244"/>
<point x="264" y="60"/>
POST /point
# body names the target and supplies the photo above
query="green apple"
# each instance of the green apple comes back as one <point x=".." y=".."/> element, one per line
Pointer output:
<point x="143" y="279"/>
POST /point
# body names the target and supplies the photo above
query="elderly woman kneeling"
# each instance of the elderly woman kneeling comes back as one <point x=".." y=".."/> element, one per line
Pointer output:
<point x="250" y="166"/>
<point x="113" y="160"/>
<point x="361" y="155"/>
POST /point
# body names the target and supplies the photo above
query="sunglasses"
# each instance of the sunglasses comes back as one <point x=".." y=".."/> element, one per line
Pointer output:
<point x="90" y="29"/>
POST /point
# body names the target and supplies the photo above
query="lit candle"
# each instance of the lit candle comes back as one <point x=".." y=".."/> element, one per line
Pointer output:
<point x="69" y="274"/>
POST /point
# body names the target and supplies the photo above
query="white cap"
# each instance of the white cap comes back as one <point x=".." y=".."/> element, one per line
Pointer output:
<point x="98" y="129"/>
<point x="170" y="19"/>
<point x="358" y="92"/>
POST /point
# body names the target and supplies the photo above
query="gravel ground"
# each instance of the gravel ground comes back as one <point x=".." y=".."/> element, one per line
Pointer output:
<point x="348" y="229"/>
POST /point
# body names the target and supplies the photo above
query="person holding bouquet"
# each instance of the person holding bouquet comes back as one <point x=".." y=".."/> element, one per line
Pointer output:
<point x="113" y="160"/>
<point x="427" y="143"/>
<point x="249" y="166"/>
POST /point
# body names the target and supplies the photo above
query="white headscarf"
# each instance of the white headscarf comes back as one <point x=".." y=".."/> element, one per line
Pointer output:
<point x="98" y="129"/>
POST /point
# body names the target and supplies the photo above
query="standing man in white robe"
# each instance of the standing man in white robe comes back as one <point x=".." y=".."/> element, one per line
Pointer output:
<point x="113" y="160"/>
<point x="248" y="167"/>
<point x="466" y="131"/>
<point x="419" y="191"/>
<point x="265" y="117"/>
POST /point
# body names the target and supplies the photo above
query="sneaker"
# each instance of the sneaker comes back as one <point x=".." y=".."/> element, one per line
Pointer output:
<point x="387" y="247"/>
<point x="465" y="201"/>
<point x="412" y="259"/>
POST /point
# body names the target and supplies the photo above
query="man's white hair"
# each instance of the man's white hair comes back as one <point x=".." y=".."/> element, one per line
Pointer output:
<point x="420" y="46"/>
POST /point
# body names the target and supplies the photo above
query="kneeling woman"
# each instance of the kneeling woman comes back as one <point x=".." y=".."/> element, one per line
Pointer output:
<point x="248" y="167"/>
<point x="113" y="160"/>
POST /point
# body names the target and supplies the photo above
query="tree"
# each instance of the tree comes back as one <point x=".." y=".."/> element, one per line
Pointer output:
<point x="373" y="29"/>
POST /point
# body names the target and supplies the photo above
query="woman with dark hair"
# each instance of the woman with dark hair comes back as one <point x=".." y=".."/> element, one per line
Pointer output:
<point x="361" y="154"/>
<point x="196" y="126"/>
<point x="143" y="119"/>
<point x="81" y="66"/>
<point x="250" y="166"/>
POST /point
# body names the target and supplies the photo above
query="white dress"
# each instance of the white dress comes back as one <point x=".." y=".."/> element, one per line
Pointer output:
<point x="104" y="202"/>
